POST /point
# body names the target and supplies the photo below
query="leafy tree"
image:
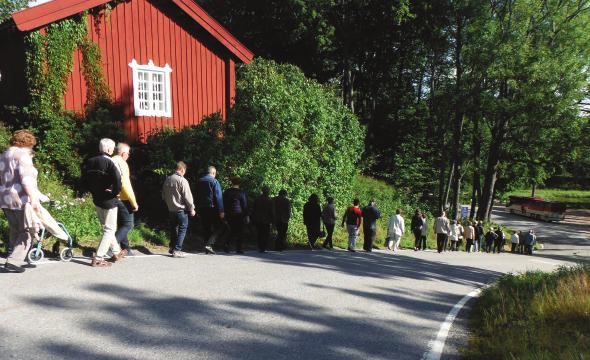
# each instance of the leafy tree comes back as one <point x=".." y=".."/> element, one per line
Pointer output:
<point x="287" y="131"/>
<point x="7" y="7"/>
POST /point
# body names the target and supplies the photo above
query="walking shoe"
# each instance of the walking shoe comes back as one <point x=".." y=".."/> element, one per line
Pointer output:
<point x="29" y="266"/>
<point x="14" y="268"/>
<point x="351" y="249"/>
<point x="99" y="263"/>
<point x="209" y="250"/>
<point x="178" y="254"/>
<point x="129" y="253"/>
<point x="119" y="256"/>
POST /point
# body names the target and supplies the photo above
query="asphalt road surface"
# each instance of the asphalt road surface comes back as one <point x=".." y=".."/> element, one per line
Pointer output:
<point x="568" y="239"/>
<point x="290" y="305"/>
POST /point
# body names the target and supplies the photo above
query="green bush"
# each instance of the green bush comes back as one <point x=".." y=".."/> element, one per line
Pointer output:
<point x="287" y="131"/>
<point x="77" y="213"/>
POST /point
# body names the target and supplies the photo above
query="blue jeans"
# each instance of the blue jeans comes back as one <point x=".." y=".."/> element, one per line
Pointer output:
<point x="178" y="228"/>
<point x="124" y="223"/>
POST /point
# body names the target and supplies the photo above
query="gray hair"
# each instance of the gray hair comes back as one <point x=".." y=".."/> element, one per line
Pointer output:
<point x="122" y="148"/>
<point x="106" y="146"/>
<point x="211" y="170"/>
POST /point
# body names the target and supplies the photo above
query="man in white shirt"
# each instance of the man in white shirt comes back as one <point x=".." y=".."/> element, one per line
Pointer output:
<point x="442" y="228"/>
<point x="395" y="230"/>
<point x="514" y="240"/>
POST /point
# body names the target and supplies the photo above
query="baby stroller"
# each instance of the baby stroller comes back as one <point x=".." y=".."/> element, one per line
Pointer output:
<point x="39" y="224"/>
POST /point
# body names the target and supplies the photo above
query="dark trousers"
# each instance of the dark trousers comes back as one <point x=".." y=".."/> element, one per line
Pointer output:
<point x="281" y="236"/>
<point x="178" y="226"/>
<point x="497" y="246"/>
<point x="521" y="248"/>
<point x="480" y="243"/>
<point x="263" y="235"/>
<point x="329" y="234"/>
<point x="528" y="249"/>
<point x="422" y="242"/>
<point x="489" y="245"/>
<point x="468" y="245"/>
<point x="417" y="237"/>
<point x="211" y="225"/>
<point x="313" y="232"/>
<point x="441" y="241"/>
<point x="369" y="233"/>
<point x="513" y="247"/>
<point x="124" y="223"/>
<point x="236" y="230"/>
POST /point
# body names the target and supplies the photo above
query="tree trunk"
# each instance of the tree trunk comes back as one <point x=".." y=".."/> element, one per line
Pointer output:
<point x="497" y="139"/>
<point x="476" y="190"/>
<point x="448" y="188"/>
<point x="458" y="123"/>
<point x="534" y="188"/>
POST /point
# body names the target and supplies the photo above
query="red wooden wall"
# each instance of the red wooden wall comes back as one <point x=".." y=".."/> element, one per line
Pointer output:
<point x="202" y="78"/>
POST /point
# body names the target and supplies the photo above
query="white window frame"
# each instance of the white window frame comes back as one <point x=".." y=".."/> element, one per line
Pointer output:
<point x="151" y="68"/>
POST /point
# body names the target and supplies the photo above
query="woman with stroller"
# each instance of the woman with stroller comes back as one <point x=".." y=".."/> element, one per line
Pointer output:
<point x="18" y="196"/>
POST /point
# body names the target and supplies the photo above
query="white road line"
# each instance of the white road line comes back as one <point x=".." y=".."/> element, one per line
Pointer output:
<point x="437" y="346"/>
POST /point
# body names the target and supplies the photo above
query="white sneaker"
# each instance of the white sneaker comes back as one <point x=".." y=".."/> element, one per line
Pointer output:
<point x="178" y="254"/>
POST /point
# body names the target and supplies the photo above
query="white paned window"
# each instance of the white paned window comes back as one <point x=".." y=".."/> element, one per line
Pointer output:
<point x="151" y="89"/>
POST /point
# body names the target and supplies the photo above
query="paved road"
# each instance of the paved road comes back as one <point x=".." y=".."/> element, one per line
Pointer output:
<point x="569" y="239"/>
<point x="291" y="305"/>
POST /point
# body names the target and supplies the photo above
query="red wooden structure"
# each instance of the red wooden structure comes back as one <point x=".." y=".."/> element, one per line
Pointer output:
<point x="167" y="62"/>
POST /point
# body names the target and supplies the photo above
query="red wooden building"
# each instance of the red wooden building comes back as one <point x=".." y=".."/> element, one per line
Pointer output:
<point x="167" y="62"/>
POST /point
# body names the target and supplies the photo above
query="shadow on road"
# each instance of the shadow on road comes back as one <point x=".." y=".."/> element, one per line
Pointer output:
<point x="265" y="325"/>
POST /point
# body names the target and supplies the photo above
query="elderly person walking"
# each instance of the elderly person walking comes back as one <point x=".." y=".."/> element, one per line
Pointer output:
<point x="442" y="228"/>
<point x="178" y="197"/>
<point x="103" y="180"/>
<point x="127" y="204"/>
<point x="283" y="209"/>
<point x="395" y="230"/>
<point x="18" y="190"/>
<point x="353" y="218"/>
<point x="370" y="216"/>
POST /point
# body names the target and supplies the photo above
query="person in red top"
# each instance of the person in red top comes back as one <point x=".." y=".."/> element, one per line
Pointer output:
<point x="353" y="219"/>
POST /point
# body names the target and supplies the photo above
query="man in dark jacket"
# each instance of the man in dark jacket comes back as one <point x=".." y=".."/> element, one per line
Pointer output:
<point x="312" y="218"/>
<point x="479" y="236"/>
<point x="499" y="242"/>
<point x="491" y="237"/>
<point x="263" y="216"/>
<point x="370" y="216"/>
<point x="416" y="226"/>
<point x="210" y="208"/>
<point x="282" y="206"/>
<point x="103" y="180"/>
<point x="236" y="208"/>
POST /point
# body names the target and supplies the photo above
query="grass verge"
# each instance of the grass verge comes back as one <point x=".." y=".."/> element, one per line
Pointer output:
<point x="535" y="315"/>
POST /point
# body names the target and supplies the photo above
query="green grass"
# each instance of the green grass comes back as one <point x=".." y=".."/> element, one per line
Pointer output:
<point x="534" y="315"/>
<point x="578" y="199"/>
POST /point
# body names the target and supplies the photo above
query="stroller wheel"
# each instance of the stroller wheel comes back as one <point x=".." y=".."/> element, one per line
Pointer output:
<point x="35" y="255"/>
<point x="66" y="254"/>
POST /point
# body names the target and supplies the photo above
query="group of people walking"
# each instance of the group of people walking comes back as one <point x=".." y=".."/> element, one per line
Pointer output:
<point x="107" y="177"/>
<point x="450" y="235"/>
